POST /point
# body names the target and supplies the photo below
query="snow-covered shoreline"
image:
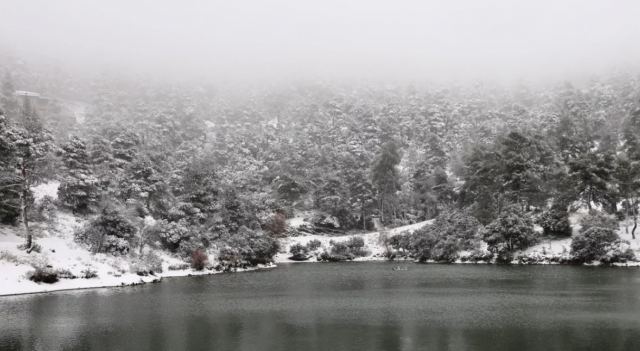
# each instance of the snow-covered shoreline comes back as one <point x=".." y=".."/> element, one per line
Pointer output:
<point x="59" y="251"/>
<point x="96" y="283"/>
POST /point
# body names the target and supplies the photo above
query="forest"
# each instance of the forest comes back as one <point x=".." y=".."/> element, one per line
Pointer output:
<point x="201" y="170"/>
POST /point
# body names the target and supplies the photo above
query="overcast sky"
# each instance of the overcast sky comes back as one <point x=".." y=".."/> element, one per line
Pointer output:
<point x="370" y="39"/>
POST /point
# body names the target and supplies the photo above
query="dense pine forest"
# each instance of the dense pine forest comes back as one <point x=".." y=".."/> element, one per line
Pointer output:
<point x="200" y="170"/>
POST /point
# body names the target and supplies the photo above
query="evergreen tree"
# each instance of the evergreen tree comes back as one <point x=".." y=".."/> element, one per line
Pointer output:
<point x="9" y="181"/>
<point x="591" y="174"/>
<point x="385" y="177"/>
<point x="628" y="169"/>
<point x="79" y="188"/>
<point x="32" y="144"/>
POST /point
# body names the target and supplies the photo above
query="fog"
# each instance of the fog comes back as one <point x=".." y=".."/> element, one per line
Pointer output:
<point x="409" y="40"/>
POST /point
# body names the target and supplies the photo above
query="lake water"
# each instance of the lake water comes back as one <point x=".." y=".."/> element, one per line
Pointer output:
<point x="342" y="306"/>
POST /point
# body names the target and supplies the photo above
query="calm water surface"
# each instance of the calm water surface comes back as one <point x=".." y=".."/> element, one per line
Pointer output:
<point x="342" y="306"/>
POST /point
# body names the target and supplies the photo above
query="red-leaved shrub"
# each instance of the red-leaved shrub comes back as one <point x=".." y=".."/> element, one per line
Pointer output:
<point x="199" y="259"/>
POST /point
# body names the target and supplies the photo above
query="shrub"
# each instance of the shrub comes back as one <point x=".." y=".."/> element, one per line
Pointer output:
<point x="345" y="250"/>
<point x="598" y="244"/>
<point x="199" y="259"/>
<point x="170" y="234"/>
<point x="422" y="243"/>
<point x="299" y="252"/>
<point x="450" y="233"/>
<point x="314" y="244"/>
<point x="249" y="246"/>
<point x="277" y="225"/>
<point x="88" y="273"/>
<point x="555" y="222"/>
<point x="511" y="231"/>
<point x="110" y="232"/>
<point x="65" y="274"/>
<point x="43" y="275"/>
<point x="178" y="267"/>
<point x="150" y="263"/>
<point x="9" y="257"/>
<point x="597" y="219"/>
<point x="356" y="246"/>
<point x="400" y="242"/>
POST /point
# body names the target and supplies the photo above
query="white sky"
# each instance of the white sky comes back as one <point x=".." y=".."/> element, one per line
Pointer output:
<point x="364" y="39"/>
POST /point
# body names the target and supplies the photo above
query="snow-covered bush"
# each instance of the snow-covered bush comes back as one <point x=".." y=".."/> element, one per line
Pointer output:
<point x="170" y="234"/>
<point x="345" y="250"/>
<point x="110" y="232"/>
<point x="599" y="244"/>
<point x="451" y="232"/>
<point x="150" y="263"/>
<point x="88" y="273"/>
<point x="43" y="275"/>
<point x="597" y="219"/>
<point x="9" y="257"/>
<point x="314" y="244"/>
<point x="247" y="246"/>
<point x="178" y="267"/>
<point x="299" y="252"/>
<point x="511" y="231"/>
<point x="555" y="222"/>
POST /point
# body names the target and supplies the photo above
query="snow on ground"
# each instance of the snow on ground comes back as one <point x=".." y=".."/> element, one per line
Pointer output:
<point x="58" y="251"/>
<point x="373" y="241"/>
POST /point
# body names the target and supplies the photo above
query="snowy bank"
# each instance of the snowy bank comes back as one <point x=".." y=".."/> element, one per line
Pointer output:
<point x="374" y="242"/>
<point x="76" y="266"/>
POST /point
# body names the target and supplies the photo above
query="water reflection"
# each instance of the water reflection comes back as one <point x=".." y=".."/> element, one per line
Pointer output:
<point x="363" y="306"/>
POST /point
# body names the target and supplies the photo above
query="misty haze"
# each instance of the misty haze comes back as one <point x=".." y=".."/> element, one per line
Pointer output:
<point x="319" y="175"/>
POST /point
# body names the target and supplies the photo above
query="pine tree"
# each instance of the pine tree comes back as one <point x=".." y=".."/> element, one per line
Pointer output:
<point x="9" y="181"/>
<point x="79" y="187"/>
<point x="32" y="144"/>
<point x="385" y="177"/>
<point x="628" y="169"/>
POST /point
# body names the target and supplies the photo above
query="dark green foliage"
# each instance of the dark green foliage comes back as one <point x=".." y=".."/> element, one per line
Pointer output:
<point x="511" y="231"/>
<point x="591" y="173"/>
<point x="597" y="219"/>
<point x="513" y="169"/>
<point x="555" y="222"/>
<point x="598" y="244"/>
<point x="79" y="188"/>
<point x="451" y="232"/>
<point x="110" y="232"/>
<point x="9" y="181"/>
<point x="313" y="244"/>
<point x="345" y="250"/>
<point x="384" y="175"/>
<point x="249" y="247"/>
<point x="170" y="234"/>
<point x="44" y="275"/>
<point x="288" y="189"/>
<point x="299" y="252"/>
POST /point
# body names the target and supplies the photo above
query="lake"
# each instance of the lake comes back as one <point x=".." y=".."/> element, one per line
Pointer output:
<point x="342" y="306"/>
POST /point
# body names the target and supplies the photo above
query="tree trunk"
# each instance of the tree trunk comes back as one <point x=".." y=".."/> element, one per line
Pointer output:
<point x="635" y="225"/>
